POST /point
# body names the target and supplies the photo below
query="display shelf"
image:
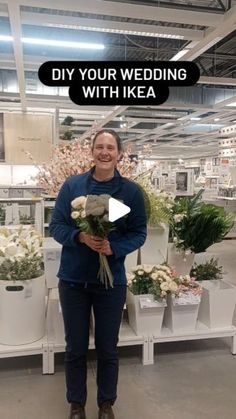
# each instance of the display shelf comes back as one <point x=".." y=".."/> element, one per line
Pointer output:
<point x="40" y="347"/>
<point x="56" y="342"/>
<point x="13" y="211"/>
<point x="201" y="332"/>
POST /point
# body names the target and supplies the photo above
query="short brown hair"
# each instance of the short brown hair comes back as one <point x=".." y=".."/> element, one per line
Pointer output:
<point x="113" y="133"/>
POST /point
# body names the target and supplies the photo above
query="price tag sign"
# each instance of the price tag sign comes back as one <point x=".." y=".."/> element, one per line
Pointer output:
<point x="147" y="302"/>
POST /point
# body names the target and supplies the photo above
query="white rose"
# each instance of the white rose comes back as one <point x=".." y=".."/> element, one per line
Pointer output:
<point x="147" y="268"/>
<point x="140" y="272"/>
<point x="164" y="286"/>
<point x="11" y="249"/>
<point x="79" y="202"/>
<point x="83" y="214"/>
<point x="163" y="293"/>
<point x="75" y="215"/>
<point x="154" y="276"/>
<point x="173" y="286"/>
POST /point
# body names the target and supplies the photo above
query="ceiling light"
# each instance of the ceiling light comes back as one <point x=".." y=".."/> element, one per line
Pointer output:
<point x="54" y="43"/>
<point x="195" y="118"/>
<point x="113" y="30"/>
<point x="232" y="104"/>
<point x="66" y="44"/>
<point x="6" y="38"/>
<point x="216" y="119"/>
<point x="179" y="54"/>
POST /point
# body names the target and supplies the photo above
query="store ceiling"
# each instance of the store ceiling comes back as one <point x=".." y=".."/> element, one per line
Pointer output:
<point x="187" y="124"/>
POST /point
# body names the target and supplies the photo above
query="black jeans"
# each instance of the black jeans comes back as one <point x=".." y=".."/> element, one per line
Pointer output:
<point x="76" y="302"/>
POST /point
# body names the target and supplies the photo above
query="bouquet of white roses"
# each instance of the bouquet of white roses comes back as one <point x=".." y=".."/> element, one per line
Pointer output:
<point x="91" y="216"/>
<point x="21" y="255"/>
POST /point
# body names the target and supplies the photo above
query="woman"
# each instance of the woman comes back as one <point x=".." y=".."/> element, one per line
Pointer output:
<point x="80" y="288"/>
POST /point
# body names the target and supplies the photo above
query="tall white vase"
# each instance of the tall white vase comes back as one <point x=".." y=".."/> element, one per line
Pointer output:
<point x="22" y="311"/>
<point x="154" y="250"/>
<point x="181" y="263"/>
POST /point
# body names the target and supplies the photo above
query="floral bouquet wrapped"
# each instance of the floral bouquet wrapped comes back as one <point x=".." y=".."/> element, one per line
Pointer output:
<point x="91" y="216"/>
<point x="21" y="255"/>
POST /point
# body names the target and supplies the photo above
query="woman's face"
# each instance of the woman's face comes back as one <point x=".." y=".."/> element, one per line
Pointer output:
<point x="105" y="152"/>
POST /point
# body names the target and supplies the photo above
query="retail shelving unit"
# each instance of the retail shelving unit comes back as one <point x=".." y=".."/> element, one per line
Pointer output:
<point x="13" y="205"/>
<point x="40" y="347"/>
<point x="201" y="332"/>
<point x="56" y="341"/>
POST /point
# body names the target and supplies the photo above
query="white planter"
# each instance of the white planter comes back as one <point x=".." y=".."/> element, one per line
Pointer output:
<point x="52" y="256"/>
<point x="181" y="263"/>
<point x="131" y="261"/>
<point x="22" y="311"/>
<point x="217" y="304"/>
<point x="154" y="250"/>
<point x="181" y="314"/>
<point x="145" y="314"/>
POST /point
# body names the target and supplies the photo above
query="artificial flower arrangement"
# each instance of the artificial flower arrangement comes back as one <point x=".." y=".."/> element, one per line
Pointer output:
<point x="207" y="271"/>
<point x="72" y="159"/>
<point x="91" y="216"/>
<point x="158" y="203"/>
<point x="161" y="280"/>
<point x="21" y="256"/>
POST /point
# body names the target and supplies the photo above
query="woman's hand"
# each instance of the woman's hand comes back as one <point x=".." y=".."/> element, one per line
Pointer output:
<point x="106" y="248"/>
<point x="95" y="243"/>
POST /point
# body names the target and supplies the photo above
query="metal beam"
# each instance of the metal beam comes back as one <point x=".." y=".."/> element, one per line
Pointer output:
<point x="109" y="8"/>
<point x="117" y="111"/>
<point x="71" y="22"/>
<point x="14" y="18"/>
<point x="212" y="36"/>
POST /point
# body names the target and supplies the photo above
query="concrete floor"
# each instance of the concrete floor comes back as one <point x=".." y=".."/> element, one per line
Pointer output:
<point x="189" y="380"/>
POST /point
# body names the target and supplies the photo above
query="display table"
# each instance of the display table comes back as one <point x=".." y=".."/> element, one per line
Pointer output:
<point x="56" y="342"/>
<point x="201" y="332"/>
<point x="40" y="347"/>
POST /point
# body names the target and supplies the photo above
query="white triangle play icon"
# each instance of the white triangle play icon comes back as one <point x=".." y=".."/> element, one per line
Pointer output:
<point x="117" y="209"/>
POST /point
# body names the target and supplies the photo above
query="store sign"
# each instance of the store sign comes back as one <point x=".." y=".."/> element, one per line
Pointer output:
<point x="118" y="82"/>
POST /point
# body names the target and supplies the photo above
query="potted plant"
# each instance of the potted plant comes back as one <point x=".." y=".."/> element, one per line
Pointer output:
<point x="148" y="286"/>
<point x="22" y="286"/>
<point x="195" y="226"/>
<point x="218" y="297"/>
<point x="159" y="209"/>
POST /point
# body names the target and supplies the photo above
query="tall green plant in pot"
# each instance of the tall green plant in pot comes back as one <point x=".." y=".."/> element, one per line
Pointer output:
<point x="196" y="225"/>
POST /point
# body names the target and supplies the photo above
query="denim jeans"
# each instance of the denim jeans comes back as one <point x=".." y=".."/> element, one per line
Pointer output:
<point x="76" y="302"/>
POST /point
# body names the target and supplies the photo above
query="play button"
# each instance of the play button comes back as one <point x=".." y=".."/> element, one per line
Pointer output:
<point x="117" y="209"/>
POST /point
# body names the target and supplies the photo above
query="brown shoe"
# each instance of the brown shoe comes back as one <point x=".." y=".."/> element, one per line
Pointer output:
<point x="105" y="411"/>
<point x="77" y="411"/>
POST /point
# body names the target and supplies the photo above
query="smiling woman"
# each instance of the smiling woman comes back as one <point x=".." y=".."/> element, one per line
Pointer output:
<point x="80" y="288"/>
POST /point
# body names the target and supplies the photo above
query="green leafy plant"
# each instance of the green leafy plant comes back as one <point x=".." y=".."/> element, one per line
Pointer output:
<point x="67" y="136"/>
<point x="207" y="271"/>
<point x="195" y="225"/>
<point x="68" y="120"/>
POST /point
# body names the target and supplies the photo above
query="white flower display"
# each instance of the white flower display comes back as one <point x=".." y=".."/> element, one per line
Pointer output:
<point x="79" y="202"/>
<point x="160" y="280"/>
<point x="21" y="254"/>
